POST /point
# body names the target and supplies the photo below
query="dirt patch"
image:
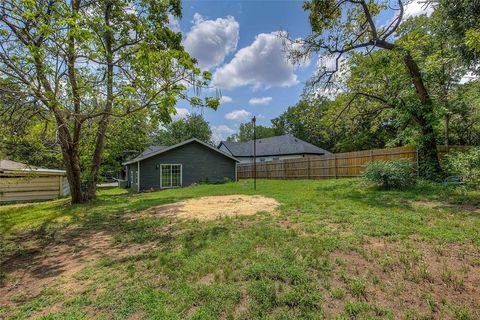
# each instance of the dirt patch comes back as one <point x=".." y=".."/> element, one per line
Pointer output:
<point x="213" y="207"/>
<point x="432" y="279"/>
<point x="55" y="264"/>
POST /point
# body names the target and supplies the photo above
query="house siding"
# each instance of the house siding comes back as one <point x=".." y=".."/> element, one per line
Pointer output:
<point x="132" y="176"/>
<point x="22" y="187"/>
<point x="260" y="159"/>
<point x="199" y="164"/>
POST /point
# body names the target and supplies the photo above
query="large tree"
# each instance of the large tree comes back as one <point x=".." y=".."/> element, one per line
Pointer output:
<point x="85" y="62"/>
<point x="343" y="26"/>
<point x="193" y="126"/>
<point x="24" y="135"/>
<point x="458" y="21"/>
<point x="245" y="132"/>
<point x="305" y="121"/>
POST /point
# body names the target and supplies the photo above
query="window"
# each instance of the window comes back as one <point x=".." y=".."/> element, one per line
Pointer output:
<point x="170" y="175"/>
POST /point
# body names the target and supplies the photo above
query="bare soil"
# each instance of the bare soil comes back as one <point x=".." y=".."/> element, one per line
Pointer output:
<point x="411" y="275"/>
<point x="54" y="265"/>
<point x="214" y="207"/>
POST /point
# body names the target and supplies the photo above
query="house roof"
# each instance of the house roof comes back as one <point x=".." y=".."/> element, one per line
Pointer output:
<point x="155" y="150"/>
<point x="7" y="166"/>
<point x="274" y="146"/>
<point x="146" y="153"/>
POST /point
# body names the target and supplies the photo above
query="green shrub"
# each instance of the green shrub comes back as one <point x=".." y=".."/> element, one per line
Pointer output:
<point x="391" y="174"/>
<point x="465" y="165"/>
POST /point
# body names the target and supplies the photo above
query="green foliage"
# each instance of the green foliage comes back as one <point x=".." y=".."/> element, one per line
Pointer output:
<point x="391" y="174"/>
<point x="458" y="22"/>
<point x="377" y="107"/>
<point x="193" y="126"/>
<point x="24" y="136"/>
<point x="307" y="121"/>
<point x="466" y="165"/>
<point x="472" y="40"/>
<point x="245" y="133"/>
<point x="126" y="137"/>
<point x="85" y="63"/>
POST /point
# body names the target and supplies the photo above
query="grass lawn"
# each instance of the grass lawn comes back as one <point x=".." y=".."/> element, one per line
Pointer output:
<point x="335" y="249"/>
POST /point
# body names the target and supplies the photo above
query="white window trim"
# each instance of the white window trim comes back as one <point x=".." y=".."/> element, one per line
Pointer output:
<point x="171" y="175"/>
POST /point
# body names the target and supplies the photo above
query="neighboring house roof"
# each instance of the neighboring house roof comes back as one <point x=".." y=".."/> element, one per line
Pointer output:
<point x="13" y="166"/>
<point x="274" y="146"/>
<point x="155" y="150"/>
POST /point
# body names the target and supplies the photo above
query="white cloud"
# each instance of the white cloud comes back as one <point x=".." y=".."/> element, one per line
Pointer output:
<point x="182" y="113"/>
<point x="264" y="63"/>
<point x="238" y="115"/>
<point x="225" y="99"/>
<point x="468" y="77"/>
<point x="328" y="63"/>
<point x="417" y="7"/>
<point x="259" y="101"/>
<point x="221" y="132"/>
<point x="173" y="23"/>
<point x="209" y="41"/>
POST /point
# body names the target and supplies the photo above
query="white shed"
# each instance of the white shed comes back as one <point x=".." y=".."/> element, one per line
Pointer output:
<point x="21" y="182"/>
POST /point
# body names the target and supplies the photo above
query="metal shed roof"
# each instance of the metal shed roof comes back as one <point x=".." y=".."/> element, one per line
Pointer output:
<point x="8" y="166"/>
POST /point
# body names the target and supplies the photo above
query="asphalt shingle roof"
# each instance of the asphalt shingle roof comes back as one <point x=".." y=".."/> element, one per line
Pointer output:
<point x="274" y="146"/>
<point x="148" y="151"/>
<point x="154" y="150"/>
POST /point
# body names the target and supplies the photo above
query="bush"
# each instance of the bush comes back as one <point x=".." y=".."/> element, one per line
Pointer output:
<point x="391" y="174"/>
<point x="465" y="165"/>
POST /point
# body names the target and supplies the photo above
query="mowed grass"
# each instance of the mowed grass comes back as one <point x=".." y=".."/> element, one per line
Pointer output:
<point x="335" y="249"/>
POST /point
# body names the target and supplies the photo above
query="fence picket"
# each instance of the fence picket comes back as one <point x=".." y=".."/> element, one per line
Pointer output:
<point x="348" y="164"/>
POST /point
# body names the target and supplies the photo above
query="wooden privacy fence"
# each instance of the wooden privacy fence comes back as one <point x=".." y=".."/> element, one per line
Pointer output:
<point x="339" y="165"/>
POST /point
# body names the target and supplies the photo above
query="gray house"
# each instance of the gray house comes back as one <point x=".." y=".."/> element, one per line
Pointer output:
<point x="274" y="148"/>
<point x="183" y="164"/>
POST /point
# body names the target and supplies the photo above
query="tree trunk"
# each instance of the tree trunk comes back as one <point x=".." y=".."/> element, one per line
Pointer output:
<point x="429" y="164"/>
<point x="70" y="142"/>
<point x="90" y="193"/>
<point x="71" y="160"/>
<point x="447" y="130"/>
<point x="72" y="164"/>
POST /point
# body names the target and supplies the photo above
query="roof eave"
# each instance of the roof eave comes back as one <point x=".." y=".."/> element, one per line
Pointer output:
<point x="179" y="145"/>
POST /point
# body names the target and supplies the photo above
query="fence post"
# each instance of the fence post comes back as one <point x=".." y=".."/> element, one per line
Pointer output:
<point x="335" y="165"/>
<point x="308" y="165"/>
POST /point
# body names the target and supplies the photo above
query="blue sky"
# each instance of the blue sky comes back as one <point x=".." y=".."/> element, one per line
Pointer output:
<point x="238" y="42"/>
